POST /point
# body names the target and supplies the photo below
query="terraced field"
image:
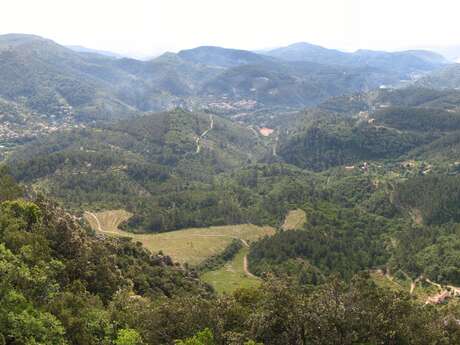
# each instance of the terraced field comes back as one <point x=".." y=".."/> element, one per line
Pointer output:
<point x="190" y="246"/>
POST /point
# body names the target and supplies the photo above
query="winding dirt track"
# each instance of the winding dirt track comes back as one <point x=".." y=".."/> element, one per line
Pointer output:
<point x="275" y="145"/>
<point x="246" y="270"/>
<point x="99" y="228"/>
<point x="197" y="141"/>
<point x="245" y="262"/>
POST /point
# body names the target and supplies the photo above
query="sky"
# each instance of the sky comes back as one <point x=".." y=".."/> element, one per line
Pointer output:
<point x="145" y="28"/>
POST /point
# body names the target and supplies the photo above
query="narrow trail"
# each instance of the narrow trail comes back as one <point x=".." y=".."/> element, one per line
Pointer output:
<point x="198" y="139"/>
<point x="246" y="263"/>
<point x="246" y="270"/>
<point x="413" y="283"/>
<point x="435" y="284"/>
<point x="254" y="131"/>
<point x="412" y="287"/>
<point x="275" y="145"/>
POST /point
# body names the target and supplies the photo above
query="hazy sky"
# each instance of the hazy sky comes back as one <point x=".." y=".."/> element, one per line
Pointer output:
<point x="149" y="27"/>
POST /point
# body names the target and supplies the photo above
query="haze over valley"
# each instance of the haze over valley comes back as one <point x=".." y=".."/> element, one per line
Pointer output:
<point x="162" y="188"/>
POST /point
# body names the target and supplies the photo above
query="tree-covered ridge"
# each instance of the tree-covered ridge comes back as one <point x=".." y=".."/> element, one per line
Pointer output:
<point x="434" y="197"/>
<point x="63" y="285"/>
<point x="431" y="252"/>
<point x="419" y="119"/>
<point x="58" y="279"/>
<point x="361" y="220"/>
<point x="161" y="167"/>
<point x="412" y="96"/>
<point x="343" y="241"/>
<point x="162" y="138"/>
<point x="330" y="142"/>
<point x="379" y="125"/>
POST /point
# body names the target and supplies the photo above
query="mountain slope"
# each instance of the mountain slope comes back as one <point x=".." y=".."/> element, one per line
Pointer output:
<point x="404" y="63"/>
<point x="445" y="78"/>
<point x="296" y="84"/>
<point x="48" y="78"/>
<point x="221" y="57"/>
<point x="383" y="124"/>
<point x="148" y="165"/>
<point x="303" y="51"/>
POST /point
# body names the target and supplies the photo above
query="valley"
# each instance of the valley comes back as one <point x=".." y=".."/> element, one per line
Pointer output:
<point x="296" y="195"/>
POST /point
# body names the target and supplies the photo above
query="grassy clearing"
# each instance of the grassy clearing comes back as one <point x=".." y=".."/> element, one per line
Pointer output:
<point x="108" y="221"/>
<point x="195" y="245"/>
<point x="231" y="276"/>
<point x="190" y="246"/>
<point x="421" y="292"/>
<point x="295" y="219"/>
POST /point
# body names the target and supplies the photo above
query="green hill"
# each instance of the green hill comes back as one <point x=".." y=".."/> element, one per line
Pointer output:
<point x="155" y="165"/>
<point x="381" y="124"/>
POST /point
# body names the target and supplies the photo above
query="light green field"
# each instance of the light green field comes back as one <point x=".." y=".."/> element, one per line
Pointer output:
<point x="295" y="219"/>
<point x="231" y="276"/>
<point x="421" y="292"/>
<point x="190" y="246"/>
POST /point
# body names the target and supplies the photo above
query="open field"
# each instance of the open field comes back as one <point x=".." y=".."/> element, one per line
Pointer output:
<point x="295" y="219"/>
<point x="421" y="292"/>
<point x="232" y="275"/>
<point x="108" y="221"/>
<point x="190" y="246"/>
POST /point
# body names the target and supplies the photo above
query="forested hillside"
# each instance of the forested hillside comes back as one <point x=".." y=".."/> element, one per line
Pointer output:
<point x="214" y="141"/>
<point x="384" y="124"/>
<point x="63" y="285"/>
<point x="161" y="167"/>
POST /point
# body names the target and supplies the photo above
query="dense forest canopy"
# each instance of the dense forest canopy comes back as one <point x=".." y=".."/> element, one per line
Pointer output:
<point x="213" y="137"/>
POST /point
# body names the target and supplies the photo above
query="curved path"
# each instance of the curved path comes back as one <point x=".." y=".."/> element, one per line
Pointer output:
<point x="245" y="262"/>
<point x="99" y="228"/>
<point x="246" y="270"/>
<point x="275" y="145"/>
<point x="197" y="141"/>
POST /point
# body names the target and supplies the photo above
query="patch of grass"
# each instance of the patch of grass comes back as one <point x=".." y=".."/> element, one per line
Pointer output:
<point x="295" y="219"/>
<point x="385" y="282"/>
<point x="109" y="221"/>
<point x="231" y="276"/>
<point x="190" y="246"/>
<point x="421" y="292"/>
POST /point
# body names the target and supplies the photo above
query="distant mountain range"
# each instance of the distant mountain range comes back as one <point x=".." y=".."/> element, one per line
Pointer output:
<point x="403" y="62"/>
<point x="44" y="77"/>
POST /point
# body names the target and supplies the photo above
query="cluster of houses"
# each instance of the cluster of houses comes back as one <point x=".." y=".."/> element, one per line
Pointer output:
<point x="33" y="127"/>
<point x="225" y="104"/>
<point x="444" y="295"/>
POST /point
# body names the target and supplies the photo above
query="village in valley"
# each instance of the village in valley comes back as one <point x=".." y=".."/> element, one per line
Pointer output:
<point x="18" y="125"/>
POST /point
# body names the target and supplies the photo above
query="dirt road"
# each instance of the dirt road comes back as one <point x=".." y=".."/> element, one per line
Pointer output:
<point x="197" y="141"/>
